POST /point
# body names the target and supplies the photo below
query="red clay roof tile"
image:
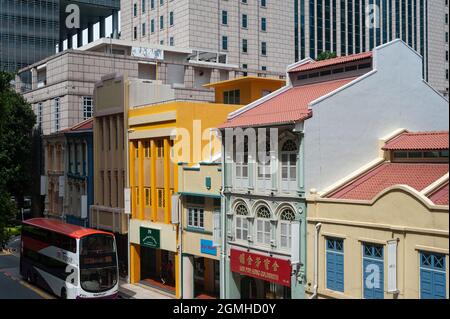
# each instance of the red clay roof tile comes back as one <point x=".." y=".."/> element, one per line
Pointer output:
<point x="440" y="196"/>
<point x="437" y="140"/>
<point x="415" y="175"/>
<point x="287" y="107"/>
<point x="324" y="63"/>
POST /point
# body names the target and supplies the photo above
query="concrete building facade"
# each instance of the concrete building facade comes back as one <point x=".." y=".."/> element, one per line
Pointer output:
<point x="256" y="35"/>
<point x="61" y="86"/>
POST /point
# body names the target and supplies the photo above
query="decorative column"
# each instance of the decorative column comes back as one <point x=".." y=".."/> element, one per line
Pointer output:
<point x="153" y="180"/>
<point x="167" y="198"/>
<point x="141" y="179"/>
<point x="132" y="151"/>
<point x="300" y="165"/>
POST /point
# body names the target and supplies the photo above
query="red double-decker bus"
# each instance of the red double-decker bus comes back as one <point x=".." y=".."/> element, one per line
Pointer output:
<point x="69" y="261"/>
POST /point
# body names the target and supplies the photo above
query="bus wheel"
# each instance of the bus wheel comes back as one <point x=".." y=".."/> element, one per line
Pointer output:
<point x="63" y="293"/>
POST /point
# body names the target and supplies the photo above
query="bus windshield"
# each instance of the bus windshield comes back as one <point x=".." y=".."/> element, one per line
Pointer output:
<point x="98" y="263"/>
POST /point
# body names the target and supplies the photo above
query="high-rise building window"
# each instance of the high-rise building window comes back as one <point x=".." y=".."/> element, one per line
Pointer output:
<point x="263" y="48"/>
<point x="244" y="46"/>
<point x="152" y="25"/>
<point x="244" y="1"/>
<point x="161" y="22"/>
<point x="135" y="33"/>
<point x="343" y="28"/>
<point x="143" y="6"/>
<point x="88" y="108"/>
<point x="244" y="21"/>
<point x="319" y="27"/>
<point x="56" y="115"/>
<point x="263" y="24"/>
<point x="161" y="2"/>
<point x="143" y="29"/>
<point x="312" y="27"/>
<point x="171" y="41"/>
<point x="171" y="19"/>
<point x="224" y="43"/>
<point x="327" y="10"/>
<point x="263" y="3"/>
<point x="350" y="26"/>
<point x="135" y="9"/>
<point x="224" y="17"/>
<point x="152" y="4"/>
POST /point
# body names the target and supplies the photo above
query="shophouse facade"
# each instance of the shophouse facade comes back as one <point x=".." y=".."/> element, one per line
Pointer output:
<point x="382" y="233"/>
<point x="318" y="140"/>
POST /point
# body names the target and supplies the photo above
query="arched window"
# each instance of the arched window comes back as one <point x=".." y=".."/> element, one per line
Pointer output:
<point x="241" y="222"/>
<point x="263" y="225"/>
<point x="286" y="217"/>
<point x="289" y="165"/>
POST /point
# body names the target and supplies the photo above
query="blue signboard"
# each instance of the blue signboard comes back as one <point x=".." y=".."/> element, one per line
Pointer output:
<point x="207" y="247"/>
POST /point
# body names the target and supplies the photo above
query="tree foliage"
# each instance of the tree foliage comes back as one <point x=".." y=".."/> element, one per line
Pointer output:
<point x="325" y="55"/>
<point x="16" y="123"/>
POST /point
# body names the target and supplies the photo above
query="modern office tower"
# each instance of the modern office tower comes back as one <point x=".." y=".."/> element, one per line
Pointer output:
<point x="257" y="35"/>
<point x="353" y="26"/>
<point x="31" y="29"/>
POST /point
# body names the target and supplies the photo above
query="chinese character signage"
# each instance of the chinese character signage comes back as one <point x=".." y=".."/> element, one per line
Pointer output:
<point x="150" y="237"/>
<point x="207" y="247"/>
<point x="262" y="267"/>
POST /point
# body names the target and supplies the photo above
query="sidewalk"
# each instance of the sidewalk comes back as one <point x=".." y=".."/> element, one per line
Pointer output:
<point x="138" y="291"/>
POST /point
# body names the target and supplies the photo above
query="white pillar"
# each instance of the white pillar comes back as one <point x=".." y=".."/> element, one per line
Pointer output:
<point x="188" y="277"/>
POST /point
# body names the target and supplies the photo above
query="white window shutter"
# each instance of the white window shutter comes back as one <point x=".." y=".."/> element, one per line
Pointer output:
<point x="392" y="266"/>
<point x="127" y="200"/>
<point x="175" y="215"/>
<point x="295" y="242"/>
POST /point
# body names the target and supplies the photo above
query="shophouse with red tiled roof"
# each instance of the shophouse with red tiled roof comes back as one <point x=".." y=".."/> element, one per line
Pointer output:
<point x="322" y="126"/>
<point x="383" y="231"/>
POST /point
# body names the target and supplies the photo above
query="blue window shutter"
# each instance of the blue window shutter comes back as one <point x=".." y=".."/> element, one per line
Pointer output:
<point x="339" y="272"/>
<point x="335" y="265"/>
<point x="439" y="285"/>
<point x="426" y="284"/>
<point x="373" y="260"/>
<point x="331" y="272"/>
<point x="432" y="276"/>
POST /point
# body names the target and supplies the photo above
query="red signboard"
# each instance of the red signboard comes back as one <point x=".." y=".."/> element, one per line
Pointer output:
<point x="262" y="267"/>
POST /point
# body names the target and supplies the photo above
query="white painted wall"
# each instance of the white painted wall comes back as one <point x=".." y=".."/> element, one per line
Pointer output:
<point x="343" y="133"/>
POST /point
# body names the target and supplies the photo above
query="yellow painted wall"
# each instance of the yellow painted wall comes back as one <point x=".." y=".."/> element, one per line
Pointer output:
<point x="251" y="89"/>
<point x="397" y="214"/>
<point x="210" y="115"/>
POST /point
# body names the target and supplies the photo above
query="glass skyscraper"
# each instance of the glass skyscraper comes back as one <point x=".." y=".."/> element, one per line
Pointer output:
<point x="353" y="26"/>
<point x="31" y="29"/>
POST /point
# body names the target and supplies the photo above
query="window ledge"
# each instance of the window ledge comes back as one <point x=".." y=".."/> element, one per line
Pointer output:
<point x="197" y="230"/>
